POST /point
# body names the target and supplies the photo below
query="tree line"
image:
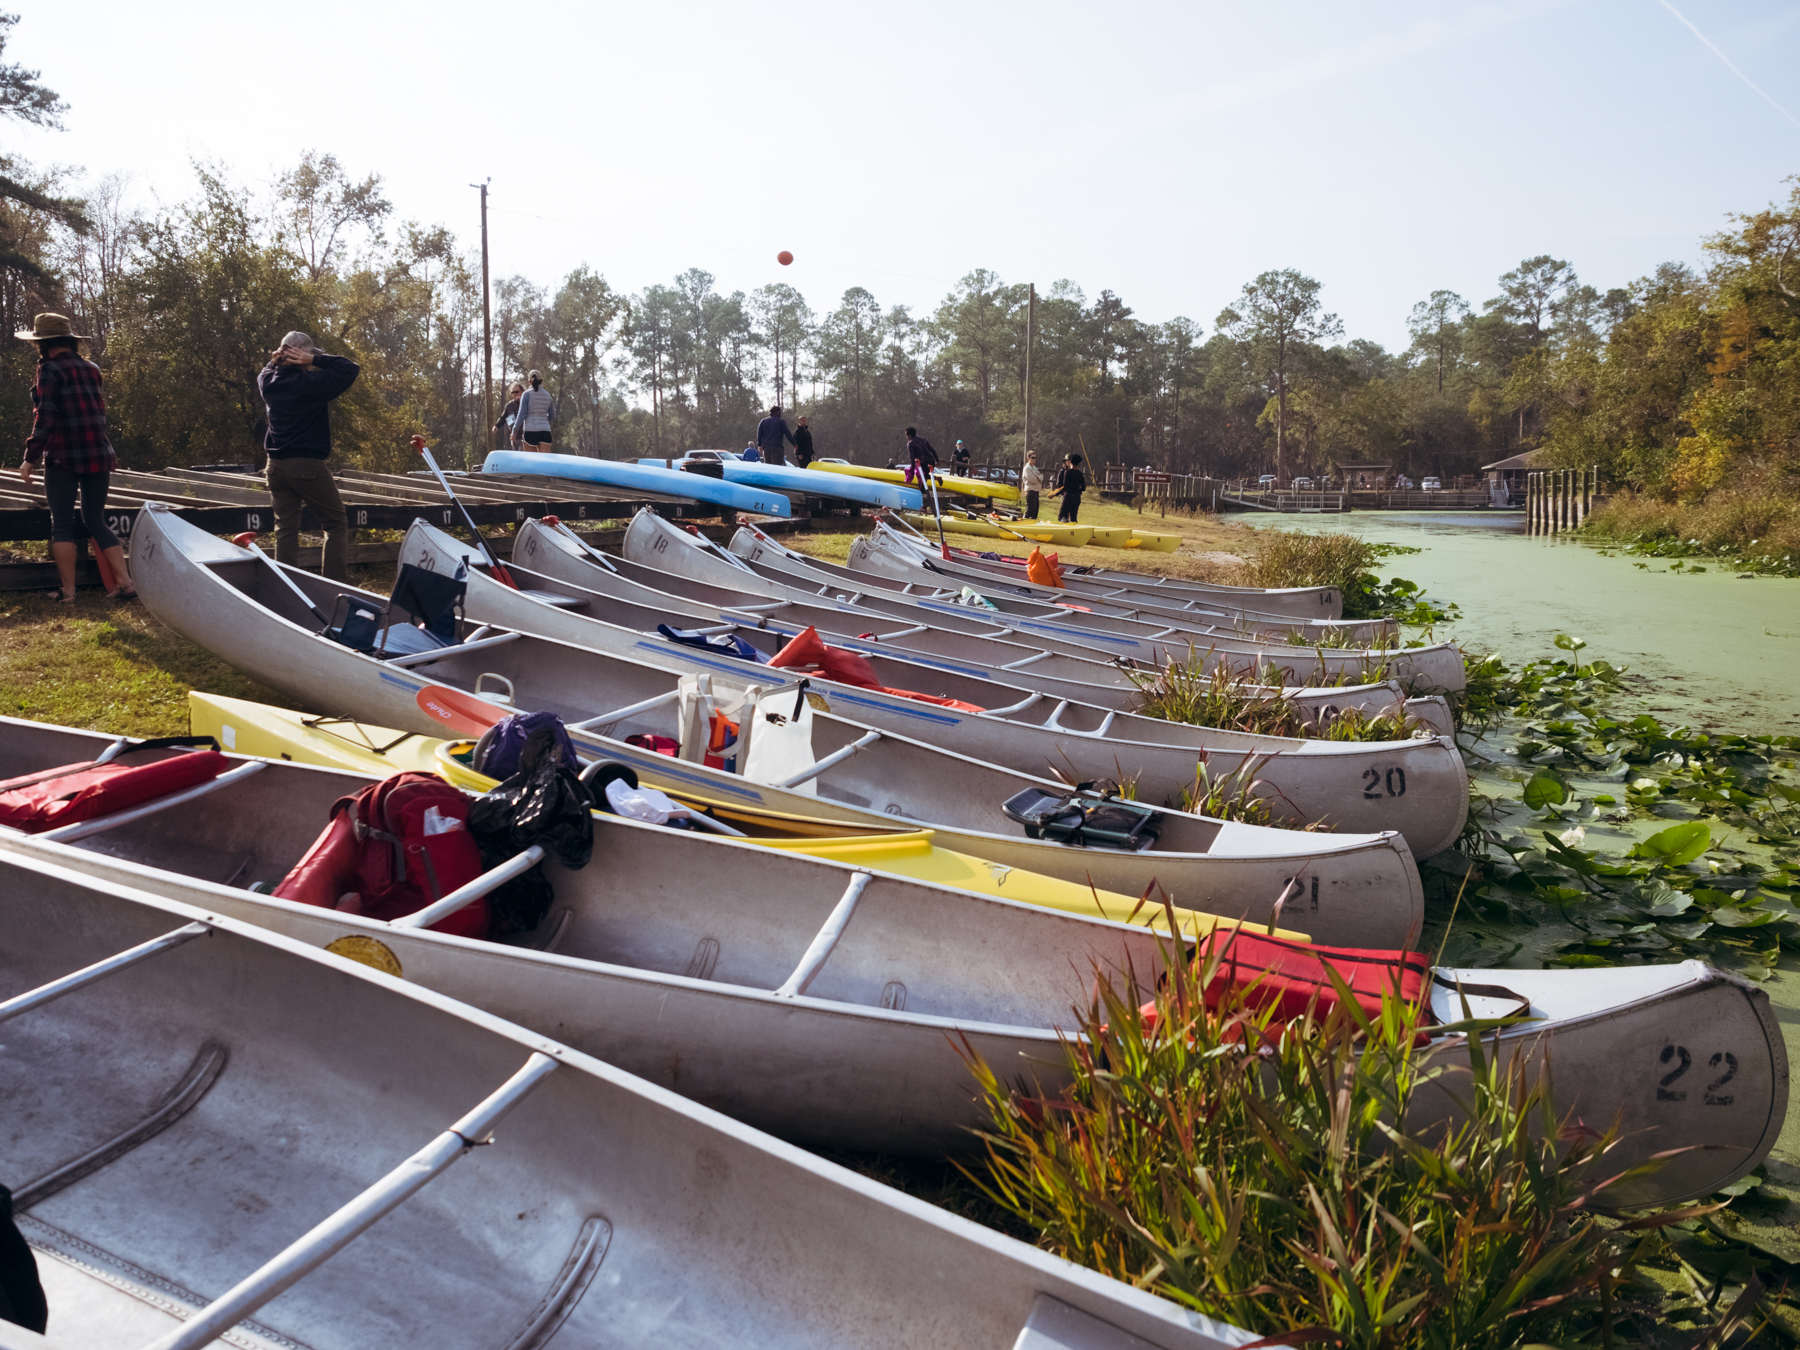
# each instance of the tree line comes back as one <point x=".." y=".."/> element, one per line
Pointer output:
<point x="1675" y="381"/>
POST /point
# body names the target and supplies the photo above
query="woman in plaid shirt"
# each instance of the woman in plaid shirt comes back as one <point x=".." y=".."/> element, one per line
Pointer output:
<point x="68" y="438"/>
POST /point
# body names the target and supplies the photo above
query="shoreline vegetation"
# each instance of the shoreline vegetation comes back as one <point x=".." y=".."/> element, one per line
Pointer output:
<point x="1752" y="530"/>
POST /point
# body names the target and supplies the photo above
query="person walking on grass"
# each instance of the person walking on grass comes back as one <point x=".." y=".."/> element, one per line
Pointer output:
<point x="803" y="446"/>
<point x="1074" y="483"/>
<point x="771" y="433"/>
<point x="1032" y="481"/>
<point x="68" y="438"/>
<point x="297" y="387"/>
<point x="536" y="411"/>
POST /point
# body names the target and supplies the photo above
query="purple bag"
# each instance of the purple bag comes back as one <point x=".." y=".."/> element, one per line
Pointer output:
<point x="497" y="752"/>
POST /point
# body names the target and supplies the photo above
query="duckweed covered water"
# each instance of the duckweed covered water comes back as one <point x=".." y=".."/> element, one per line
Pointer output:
<point x="1707" y="651"/>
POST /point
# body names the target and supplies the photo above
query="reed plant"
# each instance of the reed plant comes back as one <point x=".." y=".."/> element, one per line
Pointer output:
<point x="1188" y="691"/>
<point x="1264" y="1174"/>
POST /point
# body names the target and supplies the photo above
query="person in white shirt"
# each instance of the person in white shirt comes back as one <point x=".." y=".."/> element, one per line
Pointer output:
<point x="1033" y="483"/>
<point x="536" y="411"/>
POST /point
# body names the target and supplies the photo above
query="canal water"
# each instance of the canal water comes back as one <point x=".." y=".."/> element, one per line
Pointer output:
<point x="1715" y="651"/>
<point x="1708" y="650"/>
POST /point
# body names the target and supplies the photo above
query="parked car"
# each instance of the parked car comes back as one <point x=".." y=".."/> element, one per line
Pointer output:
<point x="1266" y="481"/>
<point x="1403" y="482"/>
<point x="1303" y="485"/>
<point x="1430" y="485"/>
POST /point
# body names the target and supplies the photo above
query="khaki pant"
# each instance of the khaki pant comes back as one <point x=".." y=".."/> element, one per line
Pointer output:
<point x="297" y="482"/>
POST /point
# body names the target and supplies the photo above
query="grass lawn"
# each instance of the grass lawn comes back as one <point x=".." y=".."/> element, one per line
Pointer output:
<point x="110" y="667"/>
<point x="1210" y="545"/>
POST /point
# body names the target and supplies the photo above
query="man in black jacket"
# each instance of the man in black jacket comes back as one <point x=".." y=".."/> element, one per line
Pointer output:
<point x="297" y="387"/>
<point x="1073" y="484"/>
<point x="803" y="447"/>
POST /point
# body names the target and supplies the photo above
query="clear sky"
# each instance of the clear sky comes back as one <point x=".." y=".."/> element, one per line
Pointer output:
<point x="1166" y="151"/>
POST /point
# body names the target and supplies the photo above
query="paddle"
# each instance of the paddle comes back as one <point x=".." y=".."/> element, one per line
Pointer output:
<point x="247" y="540"/>
<point x="937" y="511"/>
<point x="494" y="565"/>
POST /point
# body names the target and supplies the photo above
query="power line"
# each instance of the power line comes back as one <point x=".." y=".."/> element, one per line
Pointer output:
<point x="1727" y="60"/>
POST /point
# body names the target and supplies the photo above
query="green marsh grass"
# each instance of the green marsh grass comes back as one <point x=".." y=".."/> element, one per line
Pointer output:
<point x="1253" y="1172"/>
<point x="1186" y="691"/>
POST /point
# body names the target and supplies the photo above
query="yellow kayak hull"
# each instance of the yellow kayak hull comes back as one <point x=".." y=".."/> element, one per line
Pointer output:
<point x="1152" y="542"/>
<point x="949" y="482"/>
<point x="247" y="728"/>
<point x="1042" y="532"/>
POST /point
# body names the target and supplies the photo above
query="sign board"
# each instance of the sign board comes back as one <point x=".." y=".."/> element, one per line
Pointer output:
<point x="1150" y="476"/>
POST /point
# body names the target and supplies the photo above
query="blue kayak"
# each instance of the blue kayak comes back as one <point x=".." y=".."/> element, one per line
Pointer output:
<point x="644" y="478"/>
<point x="787" y="478"/>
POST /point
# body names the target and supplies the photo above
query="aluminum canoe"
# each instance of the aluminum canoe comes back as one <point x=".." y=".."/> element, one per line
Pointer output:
<point x="1150" y="606"/>
<point x="679" y="955"/>
<point x="694" y="568"/>
<point x="200" y="1130"/>
<point x="1146" y="643"/>
<point x="617" y="473"/>
<point x="1418" y="787"/>
<point x="281" y="733"/>
<point x="1617" y="1044"/>
<point x="1301" y="602"/>
<point x="1350" y="890"/>
<point x="1435" y="667"/>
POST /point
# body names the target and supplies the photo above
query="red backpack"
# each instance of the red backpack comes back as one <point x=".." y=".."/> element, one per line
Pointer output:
<point x="397" y="846"/>
<point x="44" y="801"/>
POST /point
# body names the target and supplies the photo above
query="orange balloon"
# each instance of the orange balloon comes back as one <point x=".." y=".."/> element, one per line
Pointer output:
<point x="784" y="257"/>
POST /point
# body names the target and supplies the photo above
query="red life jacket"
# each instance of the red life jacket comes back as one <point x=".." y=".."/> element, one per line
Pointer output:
<point x="1290" y="976"/>
<point x="43" y="801"/>
<point x="398" y="846"/>
<point x="807" y="651"/>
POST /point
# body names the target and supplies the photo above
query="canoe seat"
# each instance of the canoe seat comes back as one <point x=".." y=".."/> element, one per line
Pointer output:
<point x="420" y="597"/>
<point x="370" y="630"/>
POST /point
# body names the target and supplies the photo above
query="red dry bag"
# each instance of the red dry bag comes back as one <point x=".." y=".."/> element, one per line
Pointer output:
<point x="397" y="846"/>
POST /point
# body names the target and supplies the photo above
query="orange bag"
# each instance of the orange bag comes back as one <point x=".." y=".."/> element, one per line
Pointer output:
<point x="1043" y="571"/>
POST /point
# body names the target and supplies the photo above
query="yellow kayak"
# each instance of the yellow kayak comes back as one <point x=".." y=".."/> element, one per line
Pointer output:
<point x="1043" y="532"/>
<point x="1152" y="542"/>
<point x="907" y="853"/>
<point x="1111" y="536"/>
<point x="948" y="482"/>
<point x="247" y="728"/>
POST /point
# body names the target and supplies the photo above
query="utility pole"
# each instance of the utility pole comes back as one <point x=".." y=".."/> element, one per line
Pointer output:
<point x="487" y="331"/>
<point x="1030" y="317"/>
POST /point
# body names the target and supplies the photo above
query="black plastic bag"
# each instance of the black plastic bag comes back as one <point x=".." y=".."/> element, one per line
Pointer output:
<point x="545" y="804"/>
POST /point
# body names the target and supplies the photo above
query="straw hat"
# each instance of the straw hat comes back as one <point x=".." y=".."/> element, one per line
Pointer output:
<point x="50" y="326"/>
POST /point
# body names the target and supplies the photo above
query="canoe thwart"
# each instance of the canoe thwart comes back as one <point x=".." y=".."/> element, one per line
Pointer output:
<point x="819" y="950"/>
<point x="352" y="1220"/>
<point x="836" y="757"/>
<point x="439" y="653"/>
<point x="81" y="829"/>
<point x="68" y="984"/>
<point x="620" y="714"/>
<point x="490" y="880"/>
